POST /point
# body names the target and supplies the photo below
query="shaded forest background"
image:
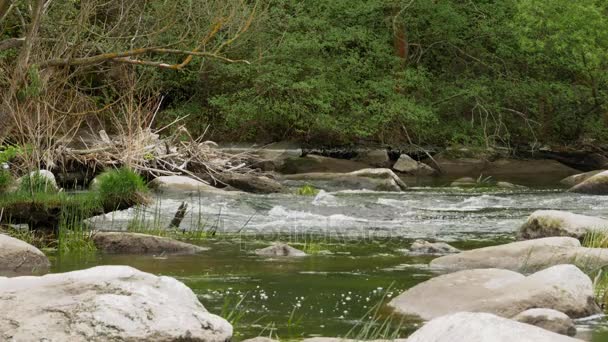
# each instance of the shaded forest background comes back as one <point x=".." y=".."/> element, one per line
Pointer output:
<point x="331" y="72"/>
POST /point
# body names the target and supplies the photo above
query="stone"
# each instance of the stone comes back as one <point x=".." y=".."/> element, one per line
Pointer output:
<point x="105" y="303"/>
<point x="136" y="243"/>
<point x="524" y="256"/>
<point x="180" y="184"/>
<point x="548" y="319"/>
<point x="501" y="292"/>
<point x="579" y="178"/>
<point x="280" y="249"/>
<point x="464" y="182"/>
<point x="20" y="258"/>
<point x="482" y="327"/>
<point x="47" y="176"/>
<point x="260" y="339"/>
<point x="594" y="185"/>
<point x="425" y="247"/>
<point x="410" y="166"/>
<point x="369" y="179"/>
<point x="252" y="183"/>
<point x="545" y="223"/>
<point x="339" y="339"/>
<point x="507" y="185"/>
<point x="375" y="158"/>
<point x="455" y="167"/>
<point x="268" y="157"/>
<point x="518" y="167"/>
<point x="312" y="163"/>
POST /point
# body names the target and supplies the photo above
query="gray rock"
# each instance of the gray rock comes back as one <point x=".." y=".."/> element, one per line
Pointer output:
<point x="464" y="182"/>
<point x="339" y="339"/>
<point x="425" y="247"/>
<point x="544" y="223"/>
<point x="552" y="320"/>
<point x="451" y="166"/>
<point x="370" y="179"/>
<point x="105" y="303"/>
<point x="525" y="256"/>
<point x="260" y="339"/>
<point x="517" y="167"/>
<point x="408" y="165"/>
<point x="136" y="243"/>
<point x="594" y="185"/>
<point x="507" y="185"/>
<point x="280" y="249"/>
<point x="252" y="183"/>
<point x="482" y="327"/>
<point x="504" y="293"/>
<point x="375" y="158"/>
<point x="180" y="184"/>
<point x="20" y="258"/>
<point x="578" y="178"/>
<point x="47" y="176"/>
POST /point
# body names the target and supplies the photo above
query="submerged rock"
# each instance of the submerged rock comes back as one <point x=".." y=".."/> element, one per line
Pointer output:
<point x="594" y="185"/>
<point x="252" y="183"/>
<point x="105" y="303"/>
<point x="552" y="320"/>
<point x="544" y="223"/>
<point x="507" y="185"/>
<point x="408" y="165"/>
<point x="464" y="182"/>
<point x="482" y="327"/>
<point x="578" y="178"/>
<point x="260" y="339"/>
<point x="425" y="247"/>
<point x="173" y="184"/>
<point x="525" y="256"/>
<point x="136" y="243"/>
<point x="20" y="258"/>
<point x="505" y="293"/>
<point x="369" y="179"/>
<point x="280" y="249"/>
<point x="313" y="164"/>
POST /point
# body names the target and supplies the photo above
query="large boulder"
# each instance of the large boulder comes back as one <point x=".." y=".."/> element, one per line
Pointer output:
<point x="369" y="179"/>
<point x="578" y="178"/>
<point x="524" y="256"/>
<point x="425" y="247"/>
<point x="452" y="166"/>
<point x="105" y="303"/>
<point x="594" y="185"/>
<point x="518" y="167"/>
<point x="410" y="166"/>
<point x="280" y="249"/>
<point x="544" y="223"/>
<point x="504" y="293"/>
<point x="136" y="243"/>
<point x="374" y="157"/>
<point x="180" y="184"/>
<point x="19" y="258"/>
<point x="252" y="183"/>
<point x="482" y="327"/>
<point x="313" y="163"/>
<point x="552" y="320"/>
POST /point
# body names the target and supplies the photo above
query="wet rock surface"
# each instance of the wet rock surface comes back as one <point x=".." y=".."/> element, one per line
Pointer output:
<point x="20" y="258"/>
<point x="545" y="223"/>
<point x="280" y="249"/>
<point x="552" y="320"/>
<point x="136" y="243"/>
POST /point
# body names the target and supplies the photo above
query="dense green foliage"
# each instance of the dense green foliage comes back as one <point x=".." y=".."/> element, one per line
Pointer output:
<point x="35" y="182"/>
<point x="120" y="189"/>
<point x="449" y="72"/>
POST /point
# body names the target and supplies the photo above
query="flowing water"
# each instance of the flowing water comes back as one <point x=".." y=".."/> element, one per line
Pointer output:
<point x="359" y="239"/>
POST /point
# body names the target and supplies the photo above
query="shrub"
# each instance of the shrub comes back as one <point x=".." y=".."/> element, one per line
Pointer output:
<point x="307" y="190"/>
<point x="6" y="179"/>
<point x="36" y="182"/>
<point x="121" y="189"/>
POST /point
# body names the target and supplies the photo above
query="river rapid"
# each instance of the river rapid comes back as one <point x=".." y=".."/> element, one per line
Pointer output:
<point x="359" y="241"/>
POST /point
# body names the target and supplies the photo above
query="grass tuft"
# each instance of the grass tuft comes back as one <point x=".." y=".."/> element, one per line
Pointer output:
<point x="307" y="190"/>
<point x="120" y="189"/>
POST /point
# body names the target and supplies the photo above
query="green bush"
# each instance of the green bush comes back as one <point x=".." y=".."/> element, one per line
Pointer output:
<point x="307" y="190"/>
<point x="121" y="189"/>
<point x="6" y="179"/>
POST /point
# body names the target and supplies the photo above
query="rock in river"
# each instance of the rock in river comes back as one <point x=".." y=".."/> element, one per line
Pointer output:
<point x="545" y="223"/>
<point x="578" y="178"/>
<point x="369" y="179"/>
<point x="280" y="249"/>
<point x="482" y="327"/>
<point x="594" y="185"/>
<point x="548" y="319"/>
<point x="178" y="184"/>
<point x="525" y="256"/>
<point x="408" y="165"/>
<point x="136" y="243"/>
<point x="504" y="293"/>
<point x="105" y="303"/>
<point x="20" y="258"/>
<point x="425" y="247"/>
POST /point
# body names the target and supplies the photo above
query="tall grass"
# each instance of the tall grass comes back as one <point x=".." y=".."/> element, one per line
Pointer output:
<point x="120" y="189"/>
<point x="35" y="182"/>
